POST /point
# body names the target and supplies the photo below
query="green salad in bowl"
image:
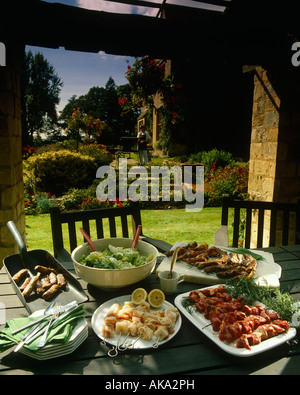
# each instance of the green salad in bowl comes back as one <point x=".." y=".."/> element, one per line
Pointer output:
<point x="115" y="258"/>
<point x="114" y="265"/>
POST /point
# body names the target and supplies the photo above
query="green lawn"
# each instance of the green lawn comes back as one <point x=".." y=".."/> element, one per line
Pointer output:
<point x="168" y="225"/>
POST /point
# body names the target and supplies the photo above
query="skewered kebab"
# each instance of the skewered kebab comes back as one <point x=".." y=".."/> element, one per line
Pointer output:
<point x="235" y="321"/>
<point x="138" y="321"/>
<point x="215" y="260"/>
<point x="262" y="333"/>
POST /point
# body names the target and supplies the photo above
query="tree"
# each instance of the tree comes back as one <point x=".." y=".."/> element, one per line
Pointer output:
<point x="87" y="125"/>
<point x="40" y="89"/>
<point x="103" y="103"/>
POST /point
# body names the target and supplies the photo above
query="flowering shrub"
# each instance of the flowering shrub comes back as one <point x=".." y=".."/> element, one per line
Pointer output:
<point x="94" y="150"/>
<point x="59" y="171"/>
<point x="171" y="111"/>
<point x="145" y="78"/>
<point x="39" y="203"/>
<point x="93" y="203"/>
<point x="122" y="101"/>
<point x="97" y="151"/>
<point x="70" y="145"/>
<point x="232" y="179"/>
<point x="214" y="157"/>
<point x="28" y="151"/>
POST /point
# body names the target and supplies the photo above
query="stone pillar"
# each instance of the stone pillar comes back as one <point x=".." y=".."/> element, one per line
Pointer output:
<point x="11" y="168"/>
<point x="264" y="138"/>
<point x="274" y="167"/>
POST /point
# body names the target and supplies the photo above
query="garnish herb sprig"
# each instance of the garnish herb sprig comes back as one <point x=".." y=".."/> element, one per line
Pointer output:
<point x="274" y="299"/>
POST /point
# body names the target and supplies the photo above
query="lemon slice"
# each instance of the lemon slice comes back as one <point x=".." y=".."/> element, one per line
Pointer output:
<point x="139" y="295"/>
<point x="156" y="298"/>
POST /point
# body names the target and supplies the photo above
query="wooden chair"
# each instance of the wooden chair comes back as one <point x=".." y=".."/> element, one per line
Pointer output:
<point x="83" y="219"/>
<point x="285" y="210"/>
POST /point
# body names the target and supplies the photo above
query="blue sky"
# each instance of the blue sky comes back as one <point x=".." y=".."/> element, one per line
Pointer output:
<point x="81" y="71"/>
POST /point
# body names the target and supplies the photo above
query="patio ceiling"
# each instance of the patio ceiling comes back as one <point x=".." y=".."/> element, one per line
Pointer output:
<point x="247" y="32"/>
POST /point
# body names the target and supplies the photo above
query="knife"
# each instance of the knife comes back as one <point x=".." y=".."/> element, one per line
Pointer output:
<point x="40" y="329"/>
<point x="61" y="310"/>
<point x="33" y="329"/>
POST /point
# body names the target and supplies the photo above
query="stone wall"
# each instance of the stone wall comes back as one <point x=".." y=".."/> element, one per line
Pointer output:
<point x="264" y="138"/>
<point x="11" y="168"/>
<point x="274" y="168"/>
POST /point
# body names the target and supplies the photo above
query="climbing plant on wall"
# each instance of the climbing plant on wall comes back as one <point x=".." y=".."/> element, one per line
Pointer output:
<point x="147" y="78"/>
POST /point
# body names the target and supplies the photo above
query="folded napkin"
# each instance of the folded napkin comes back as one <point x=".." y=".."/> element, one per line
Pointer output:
<point x="60" y="332"/>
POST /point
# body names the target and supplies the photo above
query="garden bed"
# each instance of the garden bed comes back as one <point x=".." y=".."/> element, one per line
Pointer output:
<point x="222" y="175"/>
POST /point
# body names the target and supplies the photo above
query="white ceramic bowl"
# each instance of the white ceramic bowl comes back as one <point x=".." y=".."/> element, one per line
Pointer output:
<point x="110" y="279"/>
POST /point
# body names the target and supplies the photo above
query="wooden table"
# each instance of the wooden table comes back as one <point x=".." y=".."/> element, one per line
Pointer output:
<point x="189" y="352"/>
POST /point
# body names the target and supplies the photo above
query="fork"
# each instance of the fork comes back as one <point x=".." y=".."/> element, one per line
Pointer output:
<point x="43" y="340"/>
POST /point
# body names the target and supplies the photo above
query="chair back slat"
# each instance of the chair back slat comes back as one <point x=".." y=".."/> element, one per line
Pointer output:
<point x="99" y="228"/>
<point x="76" y="219"/>
<point x="260" y="227"/>
<point x="236" y="227"/>
<point x="112" y="227"/>
<point x="273" y="224"/>
<point x="248" y="226"/>
<point x="260" y="208"/>
<point x="86" y="226"/>
<point x="124" y="224"/>
<point x="72" y="235"/>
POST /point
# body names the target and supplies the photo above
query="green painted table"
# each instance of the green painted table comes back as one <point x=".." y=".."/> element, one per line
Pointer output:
<point x="189" y="353"/>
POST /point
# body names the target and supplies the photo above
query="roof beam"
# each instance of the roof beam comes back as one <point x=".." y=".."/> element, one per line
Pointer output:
<point x="210" y="36"/>
<point x="139" y="3"/>
<point x="151" y="4"/>
<point x="221" y="3"/>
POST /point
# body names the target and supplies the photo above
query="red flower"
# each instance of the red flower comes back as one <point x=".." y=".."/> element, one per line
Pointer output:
<point x="122" y="101"/>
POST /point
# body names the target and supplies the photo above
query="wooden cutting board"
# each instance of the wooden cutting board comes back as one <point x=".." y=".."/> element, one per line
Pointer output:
<point x="267" y="273"/>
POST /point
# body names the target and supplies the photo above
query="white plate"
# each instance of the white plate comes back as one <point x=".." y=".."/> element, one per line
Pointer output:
<point x="267" y="273"/>
<point x="100" y="313"/>
<point x="202" y="324"/>
<point x="54" y="350"/>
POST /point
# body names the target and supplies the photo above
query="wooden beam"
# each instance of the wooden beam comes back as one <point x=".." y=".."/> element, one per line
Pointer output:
<point x="185" y="32"/>
<point x="139" y="3"/>
<point x="221" y="3"/>
<point x="86" y="30"/>
<point x="146" y="3"/>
